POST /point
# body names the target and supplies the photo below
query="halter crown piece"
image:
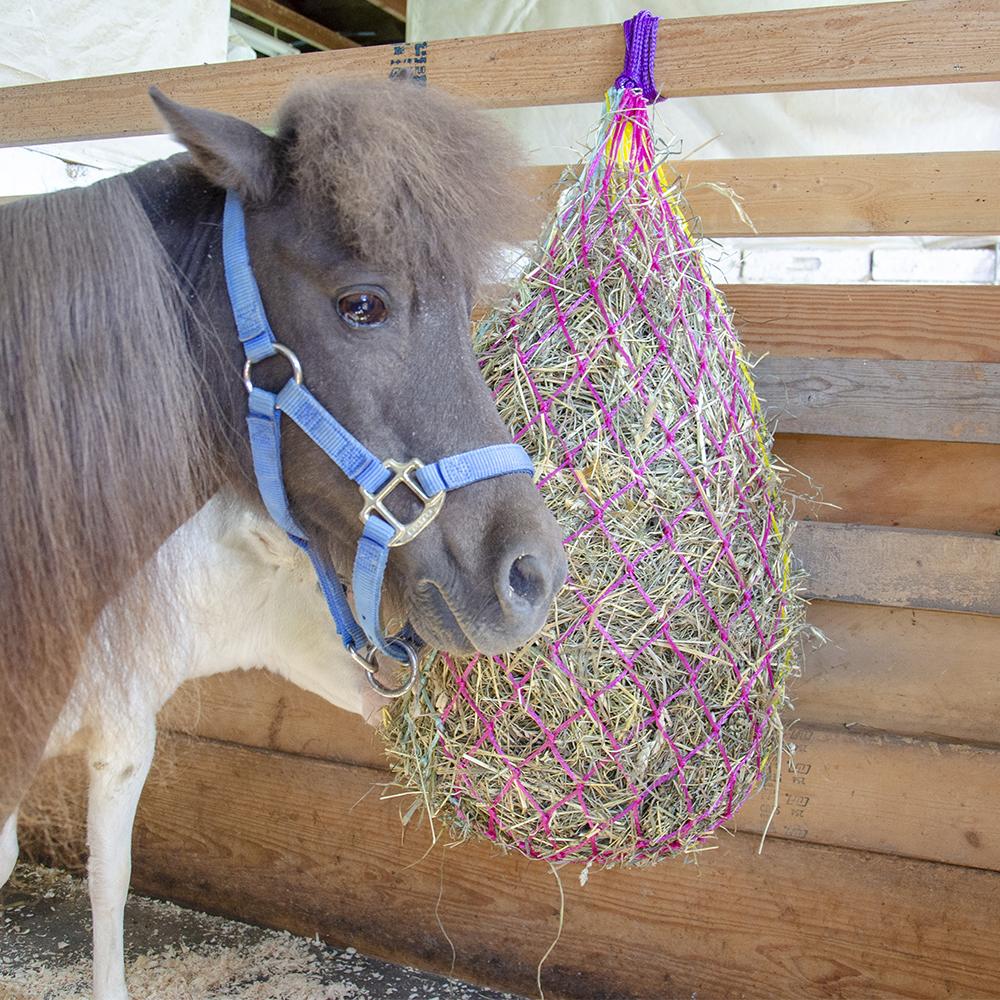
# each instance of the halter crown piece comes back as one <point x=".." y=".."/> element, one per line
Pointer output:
<point x="362" y="636"/>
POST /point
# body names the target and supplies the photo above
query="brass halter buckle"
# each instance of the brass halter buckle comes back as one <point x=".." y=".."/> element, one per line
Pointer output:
<point x="402" y="476"/>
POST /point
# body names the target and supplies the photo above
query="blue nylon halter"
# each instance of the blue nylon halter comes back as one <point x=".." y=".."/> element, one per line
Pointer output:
<point x="362" y="636"/>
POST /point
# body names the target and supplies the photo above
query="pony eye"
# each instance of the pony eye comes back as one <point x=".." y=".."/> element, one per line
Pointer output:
<point x="362" y="309"/>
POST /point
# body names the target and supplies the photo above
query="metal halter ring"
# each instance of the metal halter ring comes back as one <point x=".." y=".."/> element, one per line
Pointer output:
<point x="370" y="667"/>
<point x="285" y="353"/>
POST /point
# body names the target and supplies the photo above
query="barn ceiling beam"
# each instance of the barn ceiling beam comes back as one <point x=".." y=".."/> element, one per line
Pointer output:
<point x="395" y="7"/>
<point x="291" y="22"/>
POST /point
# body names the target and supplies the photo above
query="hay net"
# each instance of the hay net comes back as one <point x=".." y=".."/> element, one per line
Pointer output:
<point x="645" y="713"/>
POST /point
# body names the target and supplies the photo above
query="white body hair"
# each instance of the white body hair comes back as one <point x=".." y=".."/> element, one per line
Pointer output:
<point x="241" y="596"/>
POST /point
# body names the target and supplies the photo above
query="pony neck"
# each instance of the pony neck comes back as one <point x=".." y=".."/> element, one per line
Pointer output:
<point x="185" y="211"/>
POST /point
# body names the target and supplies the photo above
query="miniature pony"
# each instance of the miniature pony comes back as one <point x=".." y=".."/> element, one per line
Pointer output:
<point x="134" y="551"/>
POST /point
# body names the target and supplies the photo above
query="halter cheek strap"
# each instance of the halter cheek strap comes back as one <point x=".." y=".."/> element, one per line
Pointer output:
<point x="362" y="636"/>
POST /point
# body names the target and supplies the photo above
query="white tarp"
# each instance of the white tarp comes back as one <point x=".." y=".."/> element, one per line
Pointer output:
<point x="43" y="40"/>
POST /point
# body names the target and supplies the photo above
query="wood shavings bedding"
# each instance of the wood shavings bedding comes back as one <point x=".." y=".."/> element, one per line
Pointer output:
<point x="178" y="954"/>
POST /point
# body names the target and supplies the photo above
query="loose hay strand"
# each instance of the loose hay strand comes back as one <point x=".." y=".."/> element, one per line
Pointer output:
<point x="646" y="711"/>
<point x="562" y="920"/>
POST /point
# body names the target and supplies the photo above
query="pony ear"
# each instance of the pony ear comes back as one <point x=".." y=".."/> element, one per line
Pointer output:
<point x="228" y="151"/>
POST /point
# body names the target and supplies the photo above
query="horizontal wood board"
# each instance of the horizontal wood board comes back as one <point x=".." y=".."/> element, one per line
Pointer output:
<point x="897" y="362"/>
<point x="879" y="481"/>
<point x="879" y="717"/>
<point x="922" y="193"/>
<point x="880" y="322"/>
<point x="927" y="400"/>
<point x="306" y="844"/>
<point x="938" y="570"/>
<point x="919" y="193"/>
<point x="886" y="793"/>
<point x="844" y="786"/>
<point x="927" y="674"/>
<point x="880" y="672"/>
<point x="917" y="42"/>
<point x="893" y="194"/>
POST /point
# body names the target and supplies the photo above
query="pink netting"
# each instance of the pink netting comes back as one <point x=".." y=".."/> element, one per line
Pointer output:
<point x="644" y="716"/>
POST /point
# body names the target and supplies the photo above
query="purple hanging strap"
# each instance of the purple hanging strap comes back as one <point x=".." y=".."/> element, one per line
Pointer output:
<point x="640" y="55"/>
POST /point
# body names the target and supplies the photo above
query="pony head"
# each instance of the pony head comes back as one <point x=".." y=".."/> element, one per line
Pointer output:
<point x="372" y="214"/>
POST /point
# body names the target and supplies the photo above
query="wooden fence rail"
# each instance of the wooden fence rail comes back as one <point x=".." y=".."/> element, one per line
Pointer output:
<point x="305" y="844"/>
<point x="871" y="45"/>
<point x="862" y="564"/>
<point x="894" y="194"/>
<point x="886" y="195"/>
<point x="929" y="400"/>
<point x="887" y="322"/>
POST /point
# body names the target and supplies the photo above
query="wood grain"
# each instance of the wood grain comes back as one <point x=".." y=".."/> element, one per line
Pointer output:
<point x="929" y="400"/>
<point x="882" y="673"/>
<point x="922" y="193"/>
<point x="880" y="481"/>
<point x="919" y="193"/>
<point x="885" y="322"/>
<point x="256" y="708"/>
<point x="306" y="844"/>
<point x="887" y="793"/>
<point x="921" y="41"/>
<point x="928" y="674"/>
<point x="861" y="195"/>
<point x="293" y="23"/>
<point x="901" y="567"/>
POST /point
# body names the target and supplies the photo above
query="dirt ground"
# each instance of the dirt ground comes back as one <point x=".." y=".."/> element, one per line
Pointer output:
<point x="174" y="953"/>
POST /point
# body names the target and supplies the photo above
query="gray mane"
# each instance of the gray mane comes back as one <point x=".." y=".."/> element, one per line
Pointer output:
<point x="101" y="438"/>
<point x="418" y="182"/>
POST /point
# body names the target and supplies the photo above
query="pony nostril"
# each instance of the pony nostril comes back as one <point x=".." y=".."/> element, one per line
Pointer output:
<point x="527" y="580"/>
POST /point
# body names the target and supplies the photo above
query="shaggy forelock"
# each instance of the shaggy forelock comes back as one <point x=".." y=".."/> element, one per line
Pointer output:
<point x="412" y="179"/>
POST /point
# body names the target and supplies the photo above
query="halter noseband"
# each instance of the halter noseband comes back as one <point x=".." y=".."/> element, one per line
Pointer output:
<point x="363" y="635"/>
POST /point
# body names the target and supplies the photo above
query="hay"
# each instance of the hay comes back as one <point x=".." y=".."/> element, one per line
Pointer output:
<point x="645" y="713"/>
